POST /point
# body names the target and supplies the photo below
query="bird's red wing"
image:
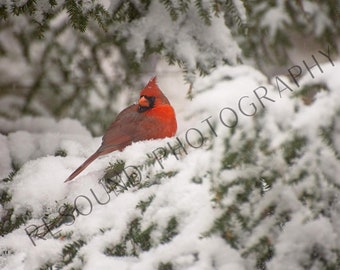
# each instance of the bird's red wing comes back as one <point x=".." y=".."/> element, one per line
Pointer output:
<point x="120" y="133"/>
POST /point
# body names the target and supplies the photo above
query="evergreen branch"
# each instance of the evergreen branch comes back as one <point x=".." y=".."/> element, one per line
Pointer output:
<point x="232" y="17"/>
<point x="170" y="8"/>
<point x="101" y="15"/>
<point x="70" y="251"/>
<point x="264" y="251"/>
<point x="126" y="11"/>
<point x="29" y="7"/>
<point x="203" y="12"/>
<point x="9" y="221"/>
<point x="78" y="19"/>
<point x="139" y="239"/>
<point x="53" y="3"/>
<point x="3" y="12"/>
<point x="170" y="231"/>
<point x="143" y="205"/>
<point x="184" y="6"/>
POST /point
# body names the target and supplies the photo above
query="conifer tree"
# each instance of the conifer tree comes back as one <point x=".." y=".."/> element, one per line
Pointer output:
<point x="68" y="52"/>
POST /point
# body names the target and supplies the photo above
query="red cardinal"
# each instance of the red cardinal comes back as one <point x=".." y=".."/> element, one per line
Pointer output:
<point x="152" y="118"/>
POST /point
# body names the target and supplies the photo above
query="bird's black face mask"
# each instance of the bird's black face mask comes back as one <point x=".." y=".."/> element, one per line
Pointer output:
<point x="145" y="103"/>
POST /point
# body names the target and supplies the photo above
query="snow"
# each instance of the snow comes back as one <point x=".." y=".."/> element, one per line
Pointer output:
<point x="189" y="194"/>
<point x="298" y="237"/>
<point x="184" y="37"/>
<point x="275" y="19"/>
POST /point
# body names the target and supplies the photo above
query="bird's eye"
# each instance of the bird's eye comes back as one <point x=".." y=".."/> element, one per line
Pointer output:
<point x="152" y="101"/>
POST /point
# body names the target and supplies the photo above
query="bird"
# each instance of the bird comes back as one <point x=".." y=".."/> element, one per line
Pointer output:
<point x="152" y="117"/>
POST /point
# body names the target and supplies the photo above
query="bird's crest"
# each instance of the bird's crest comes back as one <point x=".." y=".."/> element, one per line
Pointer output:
<point x="152" y="90"/>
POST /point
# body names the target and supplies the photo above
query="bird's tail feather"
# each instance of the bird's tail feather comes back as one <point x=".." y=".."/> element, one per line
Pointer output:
<point x="83" y="166"/>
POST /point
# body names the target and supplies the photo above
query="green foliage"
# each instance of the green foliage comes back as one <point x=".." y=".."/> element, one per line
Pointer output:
<point x="67" y="256"/>
<point x="136" y="239"/>
<point x="68" y="72"/>
<point x="46" y="266"/>
<point x="176" y="8"/>
<point x="134" y="242"/>
<point x="70" y="251"/>
<point x="65" y="77"/>
<point x="101" y="15"/>
<point x="233" y="18"/>
<point x="274" y="38"/>
<point x="165" y="266"/>
<point x="327" y="134"/>
<point x="143" y="205"/>
<point x="118" y="250"/>
<point x="4" y="197"/>
<point x="11" y="221"/>
<point x="78" y="19"/>
<point x="264" y="252"/>
<point x="226" y="225"/>
<point x="60" y="153"/>
<point x="292" y="149"/>
<point x="258" y="182"/>
<point x="118" y="178"/>
<point x="243" y="155"/>
<point x="10" y="177"/>
<point x="165" y="174"/>
<point x="71" y="74"/>
<point x="114" y="169"/>
<point x="128" y="11"/>
<point x="141" y="239"/>
<point x="308" y="92"/>
<point x="54" y="220"/>
<point x="171" y="230"/>
<point x="28" y="7"/>
<point x="203" y="11"/>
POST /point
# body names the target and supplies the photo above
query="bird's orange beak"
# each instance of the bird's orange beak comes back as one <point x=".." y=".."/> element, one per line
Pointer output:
<point x="143" y="102"/>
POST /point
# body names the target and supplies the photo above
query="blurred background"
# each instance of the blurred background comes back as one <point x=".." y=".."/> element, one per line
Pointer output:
<point x="88" y="59"/>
